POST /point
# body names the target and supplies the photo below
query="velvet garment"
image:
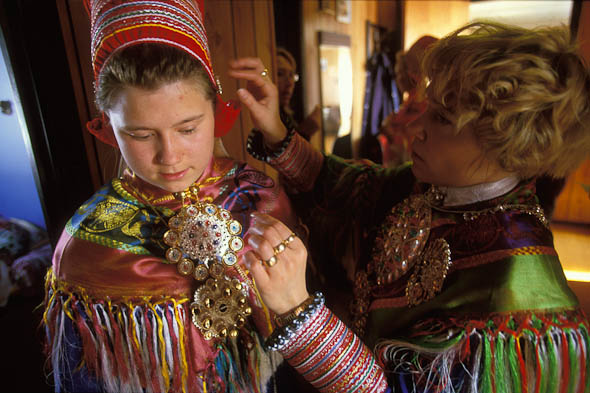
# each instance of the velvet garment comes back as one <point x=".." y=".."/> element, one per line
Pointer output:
<point x="111" y="292"/>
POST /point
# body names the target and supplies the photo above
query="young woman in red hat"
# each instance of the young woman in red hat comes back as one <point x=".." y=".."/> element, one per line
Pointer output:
<point x="148" y="291"/>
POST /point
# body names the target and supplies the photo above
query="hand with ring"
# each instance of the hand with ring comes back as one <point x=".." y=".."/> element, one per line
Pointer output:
<point x="261" y="97"/>
<point x="277" y="263"/>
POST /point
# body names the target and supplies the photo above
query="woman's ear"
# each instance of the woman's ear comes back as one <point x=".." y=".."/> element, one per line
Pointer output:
<point x="122" y="165"/>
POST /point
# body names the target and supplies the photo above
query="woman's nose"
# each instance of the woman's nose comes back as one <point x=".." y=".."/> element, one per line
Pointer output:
<point x="168" y="151"/>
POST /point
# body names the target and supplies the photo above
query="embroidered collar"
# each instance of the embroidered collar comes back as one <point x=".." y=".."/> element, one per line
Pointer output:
<point x="458" y="196"/>
<point x="153" y="195"/>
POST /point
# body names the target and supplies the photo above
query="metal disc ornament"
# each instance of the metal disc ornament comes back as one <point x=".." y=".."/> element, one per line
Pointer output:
<point x="220" y="308"/>
<point x="205" y="234"/>
<point x="203" y="240"/>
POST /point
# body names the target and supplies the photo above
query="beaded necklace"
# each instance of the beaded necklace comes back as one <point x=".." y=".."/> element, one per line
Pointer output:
<point x="534" y="210"/>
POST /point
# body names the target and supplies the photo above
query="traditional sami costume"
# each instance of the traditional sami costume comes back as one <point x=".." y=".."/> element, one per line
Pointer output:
<point x="120" y="315"/>
<point x="467" y="296"/>
<point x="147" y="292"/>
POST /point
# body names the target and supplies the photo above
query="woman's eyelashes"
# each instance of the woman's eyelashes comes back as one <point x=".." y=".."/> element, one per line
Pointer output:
<point x="140" y="136"/>
<point x="145" y="135"/>
<point x="188" y="131"/>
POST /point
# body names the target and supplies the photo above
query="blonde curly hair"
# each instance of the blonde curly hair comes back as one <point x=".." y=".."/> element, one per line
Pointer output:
<point x="525" y="93"/>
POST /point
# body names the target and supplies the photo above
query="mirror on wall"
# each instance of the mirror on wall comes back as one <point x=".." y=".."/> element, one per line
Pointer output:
<point x="335" y="86"/>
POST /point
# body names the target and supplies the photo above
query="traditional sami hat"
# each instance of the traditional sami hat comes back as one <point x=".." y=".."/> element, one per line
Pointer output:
<point x="117" y="24"/>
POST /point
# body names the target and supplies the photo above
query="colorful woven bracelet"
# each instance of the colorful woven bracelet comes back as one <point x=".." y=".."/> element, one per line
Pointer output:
<point x="332" y="358"/>
<point x="256" y="148"/>
<point x="281" y="336"/>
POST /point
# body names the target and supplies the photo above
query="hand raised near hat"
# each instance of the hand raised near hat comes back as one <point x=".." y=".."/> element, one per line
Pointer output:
<point x="261" y="97"/>
<point x="282" y="286"/>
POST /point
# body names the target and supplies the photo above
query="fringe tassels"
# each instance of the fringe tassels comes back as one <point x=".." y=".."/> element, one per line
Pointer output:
<point x="245" y="371"/>
<point x="143" y="345"/>
<point x="129" y="348"/>
<point x="512" y="354"/>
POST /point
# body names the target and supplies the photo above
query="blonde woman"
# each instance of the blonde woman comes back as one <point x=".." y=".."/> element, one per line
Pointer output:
<point x="455" y="282"/>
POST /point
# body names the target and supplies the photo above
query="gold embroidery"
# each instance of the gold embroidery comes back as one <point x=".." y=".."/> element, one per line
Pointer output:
<point x="427" y="280"/>
<point x="88" y="205"/>
<point x="109" y="214"/>
<point x="402" y="240"/>
<point x="133" y="230"/>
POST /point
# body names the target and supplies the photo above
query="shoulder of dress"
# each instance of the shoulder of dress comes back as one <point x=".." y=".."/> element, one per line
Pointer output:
<point x="239" y="171"/>
<point x="99" y="195"/>
<point x="221" y="163"/>
<point x="111" y="198"/>
<point x="226" y="167"/>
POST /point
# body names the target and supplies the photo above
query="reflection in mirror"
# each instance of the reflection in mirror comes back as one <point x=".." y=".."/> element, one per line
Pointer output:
<point x="336" y="86"/>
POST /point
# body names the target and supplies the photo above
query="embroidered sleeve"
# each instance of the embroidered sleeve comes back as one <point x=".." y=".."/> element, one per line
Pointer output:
<point x="332" y="358"/>
<point x="348" y="200"/>
<point x="299" y="164"/>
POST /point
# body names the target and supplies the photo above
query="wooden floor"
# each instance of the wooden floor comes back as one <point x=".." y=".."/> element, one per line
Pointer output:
<point x="572" y="242"/>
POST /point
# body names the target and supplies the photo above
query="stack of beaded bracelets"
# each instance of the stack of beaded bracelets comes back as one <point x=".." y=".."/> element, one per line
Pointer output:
<point x="281" y="336"/>
<point x="257" y="149"/>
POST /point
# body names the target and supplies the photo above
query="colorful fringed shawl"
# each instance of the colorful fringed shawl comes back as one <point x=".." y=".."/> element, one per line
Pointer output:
<point x="118" y="319"/>
<point x="504" y="320"/>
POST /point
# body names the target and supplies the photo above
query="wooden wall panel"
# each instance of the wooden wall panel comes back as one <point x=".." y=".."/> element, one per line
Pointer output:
<point x="222" y="48"/>
<point x="573" y="204"/>
<point x="433" y="17"/>
<point x="250" y="33"/>
<point x="243" y="17"/>
<point x="102" y="159"/>
<point x="312" y="20"/>
<point x="387" y="13"/>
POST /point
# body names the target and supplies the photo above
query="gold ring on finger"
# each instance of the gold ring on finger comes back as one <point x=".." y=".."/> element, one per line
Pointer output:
<point x="264" y="73"/>
<point x="279" y="248"/>
<point x="288" y="240"/>
<point x="270" y="262"/>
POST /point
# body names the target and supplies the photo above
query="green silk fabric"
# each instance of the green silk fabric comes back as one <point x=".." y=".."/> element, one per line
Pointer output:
<point x="510" y="285"/>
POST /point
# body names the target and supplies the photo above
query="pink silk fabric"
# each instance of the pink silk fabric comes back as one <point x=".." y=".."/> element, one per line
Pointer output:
<point x="105" y="273"/>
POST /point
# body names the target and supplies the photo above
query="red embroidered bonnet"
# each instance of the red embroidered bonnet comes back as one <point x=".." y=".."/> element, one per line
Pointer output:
<point x="117" y="24"/>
